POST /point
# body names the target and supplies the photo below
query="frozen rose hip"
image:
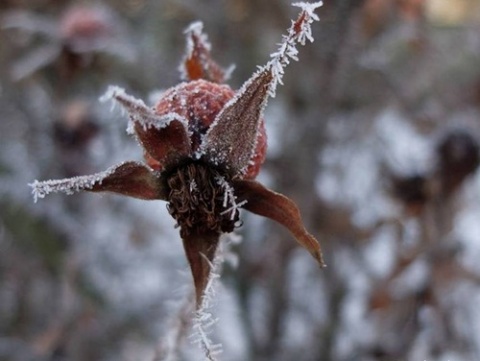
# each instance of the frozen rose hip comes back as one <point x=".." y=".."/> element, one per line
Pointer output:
<point x="205" y="143"/>
<point x="199" y="102"/>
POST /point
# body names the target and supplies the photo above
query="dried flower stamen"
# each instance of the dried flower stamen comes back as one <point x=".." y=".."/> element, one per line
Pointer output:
<point x="198" y="201"/>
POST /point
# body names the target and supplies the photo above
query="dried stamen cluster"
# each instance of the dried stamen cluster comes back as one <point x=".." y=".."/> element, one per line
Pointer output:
<point x="197" y="201"/>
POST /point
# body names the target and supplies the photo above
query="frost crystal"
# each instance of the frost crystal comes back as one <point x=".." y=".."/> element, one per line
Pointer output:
<point x="69" y="185"/>
<point x="299" y="32"/>
<point x="229" y="199"/>
<point x="138" y="112"/>
<point x="197" y="62"/>
<point x="196" y="29"/>
<point x="204" y="319"/>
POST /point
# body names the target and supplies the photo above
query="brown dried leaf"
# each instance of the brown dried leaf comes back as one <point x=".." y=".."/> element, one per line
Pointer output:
<point x="231" y="139"/>
<point x="267" y="203"/>
<point x="200" y="250"/>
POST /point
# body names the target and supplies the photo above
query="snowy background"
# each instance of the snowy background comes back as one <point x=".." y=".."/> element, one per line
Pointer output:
<point x="375" y="135"/>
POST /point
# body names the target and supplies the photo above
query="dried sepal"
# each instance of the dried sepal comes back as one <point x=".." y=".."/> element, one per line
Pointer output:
<point x="200" y="249"/>
<point x="165" y="137"/>
<point x="131" y="179"/>
<point x="276" y="206"/>
<point x="198" y="62"/>
<point x="167" y="145"/>
<point x="232" y="137"/>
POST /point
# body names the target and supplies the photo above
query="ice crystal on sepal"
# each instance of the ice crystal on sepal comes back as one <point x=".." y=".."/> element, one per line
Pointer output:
<point x="138" y="112"/>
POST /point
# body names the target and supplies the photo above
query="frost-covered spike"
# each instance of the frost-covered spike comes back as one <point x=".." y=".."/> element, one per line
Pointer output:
<point x="194" y="32"/>
<point x="197" y="62"/>
<point x="203" y="319"/>
<point x="68" y="186"/>
<point x="299" y="32"/>
<point x="132" y="179"/>
<point x="138" y="112"/>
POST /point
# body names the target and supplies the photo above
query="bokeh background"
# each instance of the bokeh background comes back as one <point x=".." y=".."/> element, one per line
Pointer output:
<point x="375" y="135"/>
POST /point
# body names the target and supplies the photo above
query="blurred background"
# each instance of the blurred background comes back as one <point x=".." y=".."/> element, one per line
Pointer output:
<point x="375" y="135"/>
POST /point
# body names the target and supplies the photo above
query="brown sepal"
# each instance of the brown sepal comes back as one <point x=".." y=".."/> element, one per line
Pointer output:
<point x="167" y="145"/>
<point x="164" y="137"/>
<point x="198" y="63"/>
<point x="232" y="138"/>
<point x="131" y="179"/>
<point x="267" y="203"/>
<point x="200" y="250"/>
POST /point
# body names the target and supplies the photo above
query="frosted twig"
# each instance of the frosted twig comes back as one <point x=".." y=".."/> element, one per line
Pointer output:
<point x="299" y="32"/>
<point x="138" y="112"/>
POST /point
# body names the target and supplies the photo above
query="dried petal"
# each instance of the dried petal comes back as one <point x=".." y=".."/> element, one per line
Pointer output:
<point x="130" y="179"/>
<point x="200" y="250"/>
<point x="164" y="137"/>
<point x="265" y="202"/>
<point x="198" y="63"/>
<point x="232" y="138"/>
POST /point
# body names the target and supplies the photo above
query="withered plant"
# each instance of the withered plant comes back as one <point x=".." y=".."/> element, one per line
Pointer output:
<point x="204" y="144"/>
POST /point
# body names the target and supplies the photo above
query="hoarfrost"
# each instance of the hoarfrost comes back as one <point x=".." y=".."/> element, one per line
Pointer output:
<point x="229" y="198"/>
<point x="138" y="112"/>
<point x="299" y="32"/>
<point x="204" y="320"/>
<point x="196" y="28"/>
<point x="70" y="185"/>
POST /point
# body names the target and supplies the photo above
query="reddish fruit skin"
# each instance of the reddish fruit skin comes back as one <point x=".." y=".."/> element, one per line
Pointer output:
<point x="199" y="102"/>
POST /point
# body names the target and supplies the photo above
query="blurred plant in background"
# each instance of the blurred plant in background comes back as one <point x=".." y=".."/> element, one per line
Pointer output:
<point x="375" y="135"/>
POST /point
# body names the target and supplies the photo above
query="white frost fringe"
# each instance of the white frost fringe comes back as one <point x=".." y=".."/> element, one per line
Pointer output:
<point x="203" y="319"/>
<point x="196" y="29"/>
<point x="69" y="185"/>
<point x="287" y="48"/>
<point x="229" y="199"/>
<point x="138" y="112"/>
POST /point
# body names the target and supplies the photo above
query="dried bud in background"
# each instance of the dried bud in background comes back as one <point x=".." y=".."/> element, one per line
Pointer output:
<point x="458" y="157"/>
